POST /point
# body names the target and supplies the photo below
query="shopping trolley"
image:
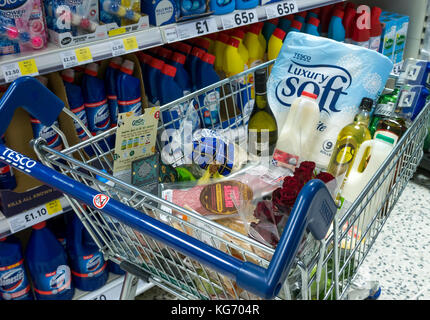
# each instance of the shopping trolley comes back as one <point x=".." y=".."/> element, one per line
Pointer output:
<point x="192" y="256"/>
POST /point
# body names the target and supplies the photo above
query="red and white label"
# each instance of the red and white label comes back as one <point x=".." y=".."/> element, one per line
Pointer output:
<point x="100" y="200"/>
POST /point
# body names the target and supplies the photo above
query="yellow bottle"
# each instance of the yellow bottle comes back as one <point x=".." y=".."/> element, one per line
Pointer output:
<point x="220" y="46"/>
<point x="233" y="63"/>
<point x="252" y="43"/>
<point x="211" y="37"/>
<point x="275" y="44"/>
<point x="262" y="39"/>
<point x="243" y="50"/>
<point x="255" y="52"/>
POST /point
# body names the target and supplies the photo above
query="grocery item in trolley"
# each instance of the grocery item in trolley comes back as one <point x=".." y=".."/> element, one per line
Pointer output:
<point x="340" y="74"/>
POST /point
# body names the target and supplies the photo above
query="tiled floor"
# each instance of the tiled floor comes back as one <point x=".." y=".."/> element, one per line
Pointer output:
<point x="400" y="258"/>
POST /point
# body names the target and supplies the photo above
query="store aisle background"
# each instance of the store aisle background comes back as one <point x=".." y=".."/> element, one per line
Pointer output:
<point x="400" y="257"/>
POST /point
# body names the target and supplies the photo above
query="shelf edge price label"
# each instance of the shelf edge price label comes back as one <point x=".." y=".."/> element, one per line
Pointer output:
<point x="69" y="59"/>
<point x="238" y="19"/>
<point x="34" y="216"/>
<point x="84" y="55"/>
<point x="280" y="9"/>
<point x="196" y="28"/>
<point x="13" y="71"/>
<point x="117" y="47"/>
<point x="171" y="34"/>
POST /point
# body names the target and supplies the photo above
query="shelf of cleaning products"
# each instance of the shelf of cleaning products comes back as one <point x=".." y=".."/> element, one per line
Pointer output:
<point x="54" y="58"/>
<point x="28" y="218"/>
<point x="111" y="290"/>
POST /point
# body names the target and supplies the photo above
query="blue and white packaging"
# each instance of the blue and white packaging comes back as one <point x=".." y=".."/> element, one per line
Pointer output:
<point x="160" y="12"/>
<point x="339" y="74"/>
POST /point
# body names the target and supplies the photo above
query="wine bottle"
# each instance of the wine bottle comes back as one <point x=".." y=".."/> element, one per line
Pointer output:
<point x="262" y="126"/>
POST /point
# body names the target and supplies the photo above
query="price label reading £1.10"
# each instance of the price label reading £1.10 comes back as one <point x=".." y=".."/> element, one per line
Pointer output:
<point x="34" y="216"/>
<point x="238" y="19"/>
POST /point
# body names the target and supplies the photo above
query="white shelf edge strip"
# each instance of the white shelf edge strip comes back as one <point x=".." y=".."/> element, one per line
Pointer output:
<point x="49" y="59"/>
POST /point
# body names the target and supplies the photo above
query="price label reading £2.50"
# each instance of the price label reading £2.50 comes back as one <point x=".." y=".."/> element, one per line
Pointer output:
<point x="13" y="71"/>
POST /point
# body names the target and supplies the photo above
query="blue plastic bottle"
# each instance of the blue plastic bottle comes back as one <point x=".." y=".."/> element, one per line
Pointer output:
<point x="89" y="269"/>
<point x="206" y="76"/>
<point x="193" y="64"/>
<point x="76" y="101"/>
<point x="285" y="23"/>
<point x="268" y="28"/>
<point x="95" y="99"/>
<point x="222" y="6"/>
<point x="153" y="78"/>
<point x="7" y="178"/>
<point x="48" y="133"/>
<point x="336" y="30"/>
<point x="295" y="26"/>
<point x="182" y="77"/>
<point x="47" y="263"/>
<point x="14" y="284"/>
<point x="312" y="26"/>
<point x="301" y="16"/>
<point x="128" y="88"/>
<point x="171" y="91"/>
<point x="246" y="4"/>
<point x="164" y="54"/>
<point x="110" y="84"/>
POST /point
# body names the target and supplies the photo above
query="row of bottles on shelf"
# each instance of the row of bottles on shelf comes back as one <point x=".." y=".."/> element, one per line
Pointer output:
<point x="59" y="258"/>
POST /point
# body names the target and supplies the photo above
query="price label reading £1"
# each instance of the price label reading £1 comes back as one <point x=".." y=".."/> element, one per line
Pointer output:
<point x="196" y="28"/>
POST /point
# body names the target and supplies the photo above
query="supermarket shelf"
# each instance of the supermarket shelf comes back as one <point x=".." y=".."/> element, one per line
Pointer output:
<point x="30" y="217"/>
<point x="111" y="290"/>
<point x="52" y="58"/>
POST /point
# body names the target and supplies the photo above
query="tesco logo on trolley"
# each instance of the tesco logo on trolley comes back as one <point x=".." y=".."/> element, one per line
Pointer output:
<point x="18" y="160"/>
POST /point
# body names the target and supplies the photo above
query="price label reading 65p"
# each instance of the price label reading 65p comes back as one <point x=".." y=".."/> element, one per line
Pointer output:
<point x="238" y="19"/>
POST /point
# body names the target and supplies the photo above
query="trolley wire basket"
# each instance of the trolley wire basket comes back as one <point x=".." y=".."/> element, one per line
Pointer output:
<point x="195" y="257"/>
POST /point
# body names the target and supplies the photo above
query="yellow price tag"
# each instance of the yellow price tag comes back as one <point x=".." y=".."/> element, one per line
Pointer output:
<point x="116" y="32"/>
<point x="28" y="67"/>
<point x="84" y="55"/>
<point x="54" y="207"/>
<point x="130" y="44"/>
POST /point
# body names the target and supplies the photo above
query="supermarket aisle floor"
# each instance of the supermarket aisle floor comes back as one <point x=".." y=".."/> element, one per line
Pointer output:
<point x="400" y="257"/>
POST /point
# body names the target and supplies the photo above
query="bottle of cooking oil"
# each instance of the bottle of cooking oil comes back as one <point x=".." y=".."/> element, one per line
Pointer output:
<point x="349" y="140"/>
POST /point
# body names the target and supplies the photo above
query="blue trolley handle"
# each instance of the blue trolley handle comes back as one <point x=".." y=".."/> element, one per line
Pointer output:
<point x="314" y="209"/>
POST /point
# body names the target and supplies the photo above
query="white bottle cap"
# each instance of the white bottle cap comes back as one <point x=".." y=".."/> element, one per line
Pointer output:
<point x="68" y="75"/>
<point x="127" y="66"/>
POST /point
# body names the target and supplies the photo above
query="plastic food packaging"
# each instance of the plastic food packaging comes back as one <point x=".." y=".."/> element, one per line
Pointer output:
<point x="340" y="74"/>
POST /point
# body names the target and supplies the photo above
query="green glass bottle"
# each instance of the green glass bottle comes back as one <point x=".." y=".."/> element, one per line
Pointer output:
<point x="261" y="118"/>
